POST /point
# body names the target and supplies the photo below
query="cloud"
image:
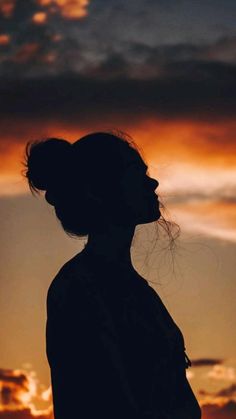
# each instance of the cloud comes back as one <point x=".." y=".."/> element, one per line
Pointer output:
<point x="206" y="362"/>
<point x="38" y="25"/>
<point x="228" y="391"/>
<point x="161" y="56"/>
<point x="18" y="391"/>
<point x="69" y="9"/>
<point x="223" y="411"/>
<point x="71" y="67"/>
<point x="221" y="372"/>
<point x="190" y="375"/>
<point x="110" y="51"/>
<point x="4" y="39"/>
<point x="222" y="50"/>
<point x="212" y="219"/>
<point x="72" y="96"/>
<point x="14" y="386"/>
<point x="197" y="178"/>
<point x="201" y="199"/>
<point x="219" y="404"/>
<point x="72" y="9"/>
<point x="24" y="414"/>
<point x="7" y="8"/>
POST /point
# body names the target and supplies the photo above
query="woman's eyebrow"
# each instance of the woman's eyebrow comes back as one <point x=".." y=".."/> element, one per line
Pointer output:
<point x="138" y="165"/>
<point x="145" y="167"/>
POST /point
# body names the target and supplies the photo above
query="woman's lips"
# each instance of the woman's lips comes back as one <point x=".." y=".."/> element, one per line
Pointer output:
<point x="154" y="196"/>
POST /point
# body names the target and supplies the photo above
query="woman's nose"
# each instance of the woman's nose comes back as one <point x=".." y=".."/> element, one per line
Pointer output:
<point x="155" y="183"/>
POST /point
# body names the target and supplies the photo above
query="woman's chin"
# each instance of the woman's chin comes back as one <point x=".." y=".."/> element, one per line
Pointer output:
<point x="150" y="217"/>
<point x="155" y="216"/>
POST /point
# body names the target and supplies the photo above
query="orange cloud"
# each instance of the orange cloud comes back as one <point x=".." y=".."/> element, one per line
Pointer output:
<point x="18" y="389"/>
<point x="14" y="385"/>
<point x="73" y="9"/>
<point x="57" y="37"/>
<point x="204" y="142"/>
<point x="221" y="410"/>
<point x="200" y="145"/>
<point x="205" y="362"/>
<point x="47" y="394"/>
<point x="197" y="179"/>
<point x="69" y="9"/>
<point x="220" y="404"/>
<point x="39" y="18"/>
<point x="210" y="218"/>
<point x="221" y="372"/>
<point x="25" y="413"/>
<point x="26" y="52"/>
<point x="190" y="375"/>
<point x="45" y="2"/>
<point x="4" y="39"/>
<point x="7" y="8"/>
<point x="49" y="58"/>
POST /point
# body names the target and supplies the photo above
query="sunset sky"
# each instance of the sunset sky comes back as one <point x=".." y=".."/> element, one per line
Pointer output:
<point x="163" y="71"/>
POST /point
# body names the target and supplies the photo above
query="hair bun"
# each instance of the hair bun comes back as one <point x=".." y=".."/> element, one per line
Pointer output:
<point x="50" y="197"/>
<point x="46" y="161"/>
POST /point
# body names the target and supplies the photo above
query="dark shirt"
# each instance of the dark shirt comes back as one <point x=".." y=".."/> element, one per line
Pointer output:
<point x="113" y="348"/>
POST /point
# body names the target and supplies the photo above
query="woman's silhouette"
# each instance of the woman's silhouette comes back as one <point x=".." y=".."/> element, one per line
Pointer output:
<point x="113" y="349"/>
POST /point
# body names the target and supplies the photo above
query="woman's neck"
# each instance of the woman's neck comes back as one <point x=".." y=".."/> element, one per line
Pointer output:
<point x="112" y="245"/>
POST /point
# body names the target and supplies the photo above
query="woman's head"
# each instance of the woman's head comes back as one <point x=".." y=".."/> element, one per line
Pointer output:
<point x="98" y="179"/>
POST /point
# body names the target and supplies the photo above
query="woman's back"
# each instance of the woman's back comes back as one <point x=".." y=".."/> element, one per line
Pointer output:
<point x="111" y="344"/>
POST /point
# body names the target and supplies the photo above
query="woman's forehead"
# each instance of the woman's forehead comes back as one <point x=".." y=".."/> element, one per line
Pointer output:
<point x="134" y="159"/>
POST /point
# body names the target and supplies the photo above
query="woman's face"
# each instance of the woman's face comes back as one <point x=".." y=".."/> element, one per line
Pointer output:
<point x="138" y="191"/>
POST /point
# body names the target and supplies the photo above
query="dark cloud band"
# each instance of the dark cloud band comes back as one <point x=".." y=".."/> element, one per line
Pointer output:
<point x="204" y="92"/>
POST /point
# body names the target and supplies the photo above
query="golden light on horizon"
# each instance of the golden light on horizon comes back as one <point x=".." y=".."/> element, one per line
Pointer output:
<point x="178" y="145"/>
<point x="211" y="144"/>
<point x="169" y="141"/>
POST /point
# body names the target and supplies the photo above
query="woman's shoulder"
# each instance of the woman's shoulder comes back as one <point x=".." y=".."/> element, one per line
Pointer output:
<point x="68" y="281"/>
